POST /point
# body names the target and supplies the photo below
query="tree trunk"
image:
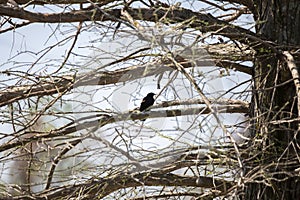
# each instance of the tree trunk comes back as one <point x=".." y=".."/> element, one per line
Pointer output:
<point x="272" y="170"/>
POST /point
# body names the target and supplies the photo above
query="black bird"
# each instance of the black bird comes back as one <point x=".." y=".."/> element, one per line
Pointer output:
<point x="147" y="102"/>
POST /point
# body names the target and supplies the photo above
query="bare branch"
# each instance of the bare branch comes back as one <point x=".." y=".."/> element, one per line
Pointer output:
<point x="13" y="94"/>
<point x="65" y="83"/>
<point x="248" y="3"/>
<point x="210" y="107"/>
<point x="295" y="74"/>
<point x="41" y="2"/>
<point x="101" y="120"/>
<point x="204" y="22"/>
<point x="14" y="27"/>
<point x="201" y="101"/>
<point x="57" y="159"/>
<point x="103" y="187"/>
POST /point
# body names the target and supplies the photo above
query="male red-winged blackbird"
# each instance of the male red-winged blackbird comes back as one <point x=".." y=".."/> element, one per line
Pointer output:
<point x="147" y="102"/>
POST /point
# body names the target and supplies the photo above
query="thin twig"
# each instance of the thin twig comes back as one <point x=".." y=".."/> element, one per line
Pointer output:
<point x="70" y="145"/>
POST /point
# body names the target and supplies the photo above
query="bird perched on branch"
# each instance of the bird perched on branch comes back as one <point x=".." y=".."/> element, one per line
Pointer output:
<point x="147" y="102"/>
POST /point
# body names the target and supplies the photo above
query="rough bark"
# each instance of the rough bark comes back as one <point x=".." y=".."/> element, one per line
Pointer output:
<point x="275" y="99"/>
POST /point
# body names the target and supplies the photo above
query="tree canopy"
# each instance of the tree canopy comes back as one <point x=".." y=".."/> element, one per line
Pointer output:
<point x="225" y="119"/>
